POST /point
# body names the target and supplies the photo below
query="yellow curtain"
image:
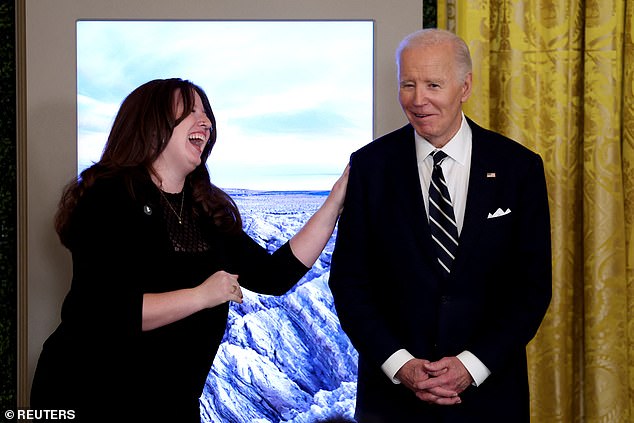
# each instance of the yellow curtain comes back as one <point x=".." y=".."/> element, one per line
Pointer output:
<point x="558" y="76"/>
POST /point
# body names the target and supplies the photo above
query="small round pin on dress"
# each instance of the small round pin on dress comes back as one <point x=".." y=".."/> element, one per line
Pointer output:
<point x="147" y="210"/>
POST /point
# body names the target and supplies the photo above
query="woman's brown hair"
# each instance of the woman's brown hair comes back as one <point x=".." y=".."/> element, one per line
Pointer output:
<point x="140" y="132"/>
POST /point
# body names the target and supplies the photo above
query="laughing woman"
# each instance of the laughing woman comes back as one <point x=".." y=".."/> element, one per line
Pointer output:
<point x="158" y="253"/>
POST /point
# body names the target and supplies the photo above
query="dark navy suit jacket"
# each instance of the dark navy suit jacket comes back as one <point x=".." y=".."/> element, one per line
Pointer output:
<point x="390" y="294"/>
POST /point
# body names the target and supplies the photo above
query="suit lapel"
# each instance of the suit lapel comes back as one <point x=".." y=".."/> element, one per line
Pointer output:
<point x="479" y="194"/>
<point x="405" y="168"/>
<point x="482" y="178"/>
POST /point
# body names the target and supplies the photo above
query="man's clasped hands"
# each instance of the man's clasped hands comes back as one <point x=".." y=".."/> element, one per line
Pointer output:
<point x="440" y="382"/>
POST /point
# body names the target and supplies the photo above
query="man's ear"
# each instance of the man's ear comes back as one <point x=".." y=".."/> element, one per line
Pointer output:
<point x="466" y="87"/>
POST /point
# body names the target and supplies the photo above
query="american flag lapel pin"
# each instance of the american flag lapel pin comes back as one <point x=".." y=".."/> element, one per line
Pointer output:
<point x="490" y="174"/>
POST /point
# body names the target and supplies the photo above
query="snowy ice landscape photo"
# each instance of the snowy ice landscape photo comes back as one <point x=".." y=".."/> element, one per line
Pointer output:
<point x="292" y="101"/>
<point x="283" y="359"/>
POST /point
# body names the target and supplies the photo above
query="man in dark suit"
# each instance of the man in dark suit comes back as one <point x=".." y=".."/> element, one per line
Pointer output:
<point x="441" y="303"/>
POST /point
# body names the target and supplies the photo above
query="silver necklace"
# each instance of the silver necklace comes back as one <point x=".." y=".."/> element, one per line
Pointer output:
<point x="178" y="215"/>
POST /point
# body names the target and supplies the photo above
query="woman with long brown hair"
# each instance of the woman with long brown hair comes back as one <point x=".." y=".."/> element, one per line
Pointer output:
<point x="158" y="252"/>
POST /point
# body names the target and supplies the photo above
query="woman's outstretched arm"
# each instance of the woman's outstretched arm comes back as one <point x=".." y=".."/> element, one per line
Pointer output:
<point x="309" y="242"/>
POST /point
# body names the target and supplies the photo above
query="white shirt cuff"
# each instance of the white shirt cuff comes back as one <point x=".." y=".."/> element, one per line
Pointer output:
<point x="478" y="371"/>
<point x="394" y="363"/>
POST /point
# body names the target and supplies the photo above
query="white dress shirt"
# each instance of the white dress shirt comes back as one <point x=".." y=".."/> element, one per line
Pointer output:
<point x="456" y="172"/>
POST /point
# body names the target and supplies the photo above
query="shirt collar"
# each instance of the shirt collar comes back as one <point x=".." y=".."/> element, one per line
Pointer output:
<point x="456" y="148"/>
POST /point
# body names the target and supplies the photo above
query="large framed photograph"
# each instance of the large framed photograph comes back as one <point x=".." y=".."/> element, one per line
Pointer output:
<point x="292" y="100"/>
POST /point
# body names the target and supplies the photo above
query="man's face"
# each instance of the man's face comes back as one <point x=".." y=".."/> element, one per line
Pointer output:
<point x="431" y="91"/>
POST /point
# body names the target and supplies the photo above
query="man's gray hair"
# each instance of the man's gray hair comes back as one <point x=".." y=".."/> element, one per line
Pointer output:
<point x="432" y="36"/>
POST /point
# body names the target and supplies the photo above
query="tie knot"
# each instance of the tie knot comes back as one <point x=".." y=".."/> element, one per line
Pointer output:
<point x="438" y="156"/>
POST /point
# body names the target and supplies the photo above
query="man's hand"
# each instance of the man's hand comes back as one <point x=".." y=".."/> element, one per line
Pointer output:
<point x="447" y="379"/>
<point x="418" y="372"/>
<point x="413" y="372"/>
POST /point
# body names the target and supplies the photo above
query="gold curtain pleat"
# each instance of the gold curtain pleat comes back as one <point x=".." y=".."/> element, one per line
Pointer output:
<point x="628" y="183"/>
<point x="558" y="76"/>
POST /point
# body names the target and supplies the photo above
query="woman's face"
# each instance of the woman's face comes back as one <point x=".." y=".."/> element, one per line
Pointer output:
<point x="188" y="139"/>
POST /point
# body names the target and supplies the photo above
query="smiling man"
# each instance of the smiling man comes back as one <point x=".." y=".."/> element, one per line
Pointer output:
<point x="441" y="272"/>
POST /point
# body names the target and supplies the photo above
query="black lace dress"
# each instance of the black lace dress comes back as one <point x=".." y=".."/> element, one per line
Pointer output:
<point x="99" y="362"/>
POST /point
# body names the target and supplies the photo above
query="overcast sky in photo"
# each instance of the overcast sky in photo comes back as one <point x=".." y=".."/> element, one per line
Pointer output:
<point x="292" y="99"/>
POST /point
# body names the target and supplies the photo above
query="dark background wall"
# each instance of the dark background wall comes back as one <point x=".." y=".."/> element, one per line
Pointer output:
<point x="8" y="278"/>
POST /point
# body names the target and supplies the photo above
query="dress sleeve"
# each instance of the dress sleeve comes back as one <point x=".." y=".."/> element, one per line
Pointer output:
<point x="264" y="272"/>
<point x="109" y="260"/>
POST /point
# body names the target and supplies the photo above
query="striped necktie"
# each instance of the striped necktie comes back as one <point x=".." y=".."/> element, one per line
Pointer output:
<point x="442" y="222"/>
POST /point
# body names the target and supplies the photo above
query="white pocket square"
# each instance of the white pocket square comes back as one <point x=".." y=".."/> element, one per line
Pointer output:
<point x="498" y="213"/>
